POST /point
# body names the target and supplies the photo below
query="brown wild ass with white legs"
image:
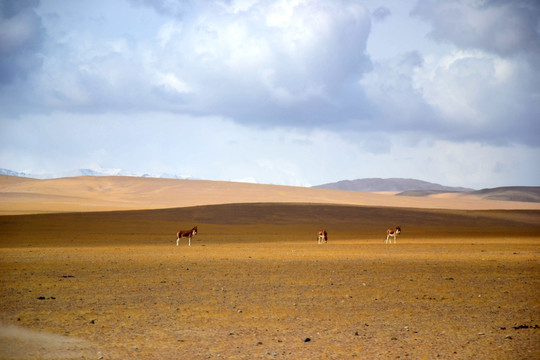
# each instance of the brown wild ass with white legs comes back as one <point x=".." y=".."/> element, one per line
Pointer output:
<point x="186" y="233"/>
<point x="322" y="236"/>
<point x="392" y="233"/>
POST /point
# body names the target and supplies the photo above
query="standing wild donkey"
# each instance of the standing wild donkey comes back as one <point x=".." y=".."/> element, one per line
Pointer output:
<point x="186" y="233"/>
<point x="322" y="236"/>
<point x="392" y="233"/>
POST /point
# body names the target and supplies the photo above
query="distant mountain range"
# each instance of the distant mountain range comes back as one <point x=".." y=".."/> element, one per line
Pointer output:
<point x="393" y="184"/>
<point x="118" y="172"/>
<point x="90" y="172"/>
<point x="12" y="173"/>
<point x="412" y="187"/>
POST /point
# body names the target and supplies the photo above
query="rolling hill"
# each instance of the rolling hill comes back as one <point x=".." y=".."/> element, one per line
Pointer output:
<point x="513" y="193"/>
<point x="111" y="193"/>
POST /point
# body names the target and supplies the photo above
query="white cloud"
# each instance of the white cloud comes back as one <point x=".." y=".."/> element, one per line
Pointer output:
<point x="171" y="82"/>
<point x="245" y="64"/>
<point x="463" y="95"/>
<point x="456" y="84"/>
<point x="168" y="32"/>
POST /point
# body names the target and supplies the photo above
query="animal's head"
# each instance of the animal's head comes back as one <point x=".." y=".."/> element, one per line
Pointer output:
<point x="398" y="229"/>
<point x="194" y="231"/>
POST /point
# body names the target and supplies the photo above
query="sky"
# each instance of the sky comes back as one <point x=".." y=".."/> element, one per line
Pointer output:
<point x="296" y="92"/>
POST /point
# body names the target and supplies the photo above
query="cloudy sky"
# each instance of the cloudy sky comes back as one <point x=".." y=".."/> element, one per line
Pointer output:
<point x="295" y="92"/>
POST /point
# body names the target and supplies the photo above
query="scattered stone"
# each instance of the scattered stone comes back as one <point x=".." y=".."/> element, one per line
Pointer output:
<point x="259" y="343"/>
<point x="93" y="321"/>
<point x="508" y="337"/>
<point x="393" y="338"/>
<point x="526" y="327"/>
<point x="231" y="332"/>
<point x="449" y="279"/>
<point x="41" y="298"/>
<point x="307" y="339"/>
<point x="239" y="311"/>
<point x="356" y="333"/>
<point x="481" y="333"/>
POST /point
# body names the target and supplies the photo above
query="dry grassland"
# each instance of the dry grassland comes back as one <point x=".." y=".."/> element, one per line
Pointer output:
<point x="254" y="284"/>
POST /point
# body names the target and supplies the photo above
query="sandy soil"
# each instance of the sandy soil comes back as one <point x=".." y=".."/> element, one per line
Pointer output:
<point x="254" y="284"/>
<point x="446" y="300"/>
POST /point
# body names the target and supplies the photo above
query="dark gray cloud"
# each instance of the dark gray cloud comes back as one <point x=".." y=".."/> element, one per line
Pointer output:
<point x="168" y="8"/>
<point x="21" y="38"/>
<point x="502" y="27"/>
<point x="381" y="13"/>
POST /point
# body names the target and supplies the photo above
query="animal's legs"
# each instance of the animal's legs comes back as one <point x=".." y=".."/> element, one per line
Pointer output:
<point x="177" y="239"/>
<point x="189" y="241"/>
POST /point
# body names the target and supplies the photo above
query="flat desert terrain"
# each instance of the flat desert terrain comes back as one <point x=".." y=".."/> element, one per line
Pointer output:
<point x="462" y="282"/>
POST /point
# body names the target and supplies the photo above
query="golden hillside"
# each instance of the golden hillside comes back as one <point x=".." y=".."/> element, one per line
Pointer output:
<point x="76" y="194"/>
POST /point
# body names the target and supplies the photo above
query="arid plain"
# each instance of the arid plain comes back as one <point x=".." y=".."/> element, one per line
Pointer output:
<point x="90" y="270"/>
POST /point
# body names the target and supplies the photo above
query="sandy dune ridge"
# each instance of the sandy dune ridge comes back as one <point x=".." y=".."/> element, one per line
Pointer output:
<point x="27" y="196"/>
